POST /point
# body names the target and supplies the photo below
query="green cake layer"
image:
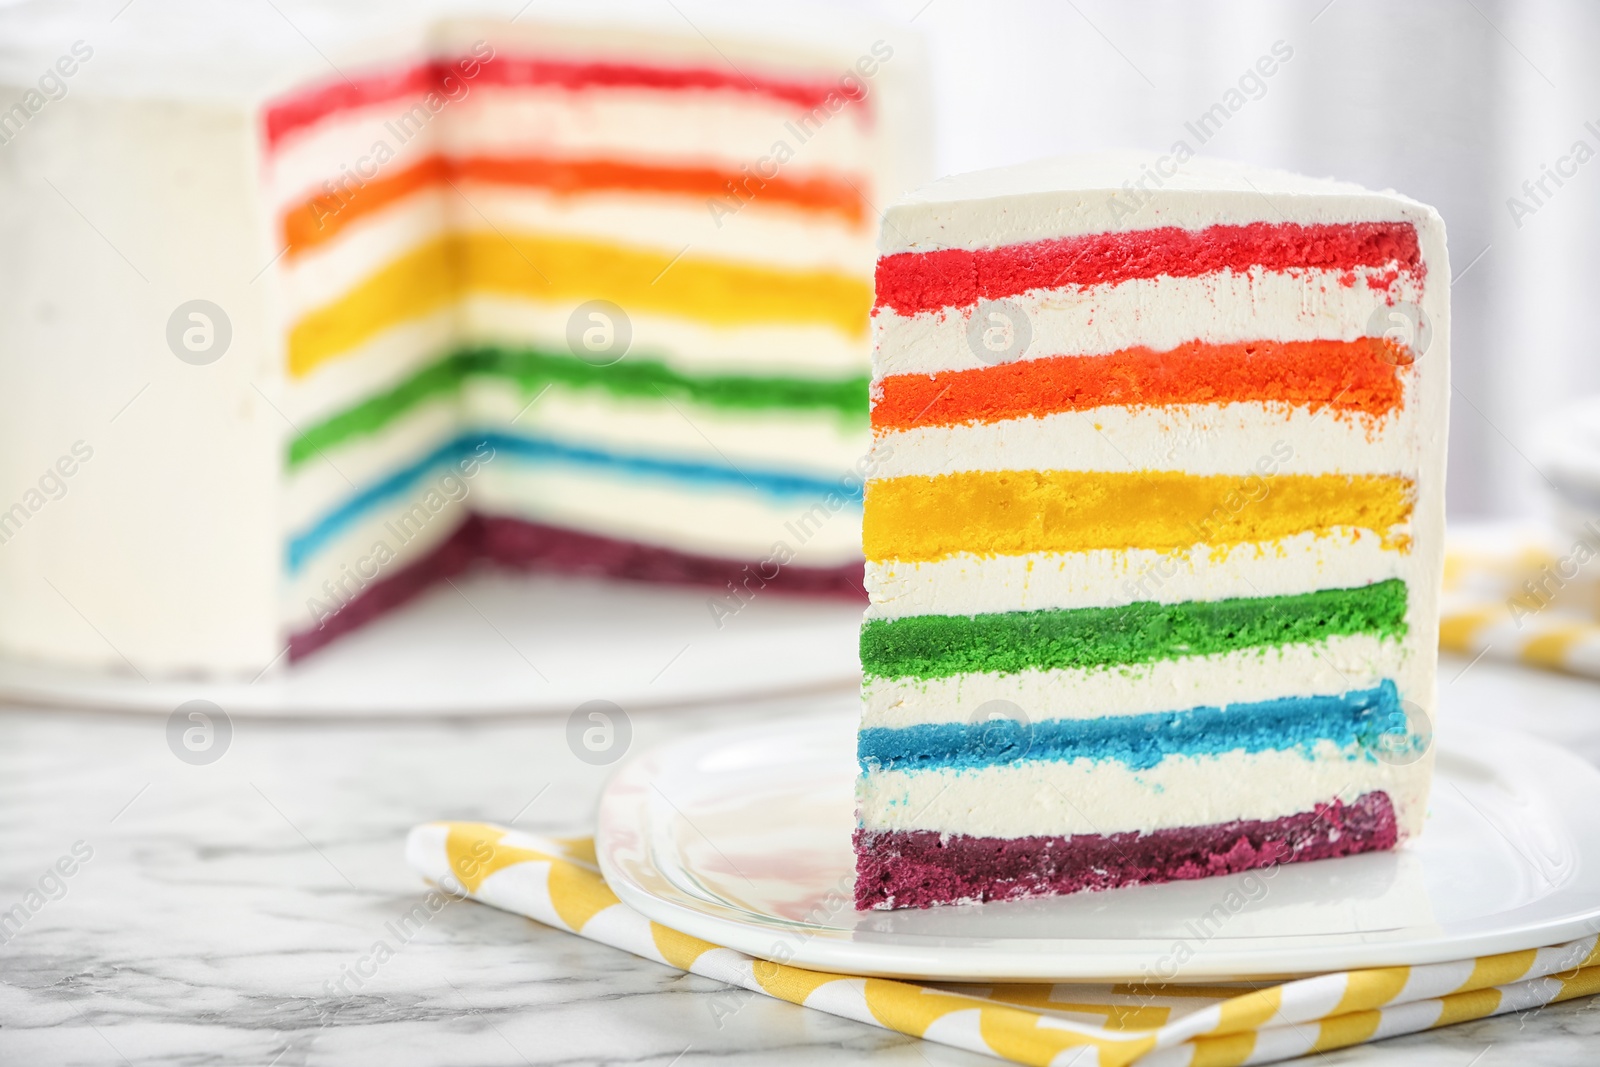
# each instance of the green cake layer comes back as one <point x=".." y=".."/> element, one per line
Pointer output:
<point x="532" y="369"/>
<point x="940" y="646"/>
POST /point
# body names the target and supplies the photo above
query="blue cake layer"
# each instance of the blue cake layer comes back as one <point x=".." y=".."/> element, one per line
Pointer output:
<point x="1354" y="719"/>
<point x="781" y="485"/>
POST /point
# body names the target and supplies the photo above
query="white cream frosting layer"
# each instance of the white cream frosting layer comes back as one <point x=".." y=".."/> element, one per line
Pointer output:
<point x="972" y="585"/>
<point x="333" y="475"/>
<point x="811" y="443"/>
<point x="1061" y="798"/>
<point x="342" y="151"/>
<point x="665" y="128"/>
<point x="380" y="363"/>
<point x="679" y="126"/>
<point x="707" y="522"/>
<point x="323" y="273"/>
<point x="408" y="529"/>
<point x="1335" y="665"/>
<point x="1236" y="438"/>
<point x="390" y="357"/>
<point x="764" y="235"/>
<point x="726" y="523"/>
<point x="1159" y="313"/>
<point x="772" y="349"/>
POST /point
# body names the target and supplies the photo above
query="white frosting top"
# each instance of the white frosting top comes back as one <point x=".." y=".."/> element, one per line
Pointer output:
<point x="231" y="52"/>
<point x="1117" y="191"/>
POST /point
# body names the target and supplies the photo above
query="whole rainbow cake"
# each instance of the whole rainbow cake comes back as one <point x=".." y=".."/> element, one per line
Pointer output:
<point x="1153" y="528"/>
<point x="341" y="298"/>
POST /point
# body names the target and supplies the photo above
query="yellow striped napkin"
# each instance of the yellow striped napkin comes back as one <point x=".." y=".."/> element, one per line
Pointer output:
<point x="1525" y="595"/>
<point x="554" y="881"/>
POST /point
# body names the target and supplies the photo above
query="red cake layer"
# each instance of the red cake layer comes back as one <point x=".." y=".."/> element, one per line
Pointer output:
<point x="1363" y="375"/>
<point x="450" y="78"/>
<point x="529" y="546"/>
<point x="920" y="868"/>
<point x="911" y="282"/>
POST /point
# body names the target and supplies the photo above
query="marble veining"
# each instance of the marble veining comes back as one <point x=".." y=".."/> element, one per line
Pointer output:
<point x="232" y="913"/>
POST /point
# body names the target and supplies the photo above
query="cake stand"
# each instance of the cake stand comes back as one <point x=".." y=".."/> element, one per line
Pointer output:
<point x="494" y="643"/>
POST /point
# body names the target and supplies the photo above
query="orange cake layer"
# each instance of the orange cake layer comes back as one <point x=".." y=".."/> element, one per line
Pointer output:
<point x="1363" y="376"/>
<point x="324" y="216"/>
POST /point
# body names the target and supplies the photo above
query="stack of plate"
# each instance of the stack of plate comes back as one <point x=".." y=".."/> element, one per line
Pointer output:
<point x="1570" y="458"/>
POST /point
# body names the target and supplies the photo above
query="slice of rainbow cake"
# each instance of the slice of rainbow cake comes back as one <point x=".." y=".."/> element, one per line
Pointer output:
<point x="1152" y="528"/>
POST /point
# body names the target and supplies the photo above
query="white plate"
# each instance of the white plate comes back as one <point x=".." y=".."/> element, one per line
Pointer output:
<point x="742" y="838"/>
<point x="508" y="643"/>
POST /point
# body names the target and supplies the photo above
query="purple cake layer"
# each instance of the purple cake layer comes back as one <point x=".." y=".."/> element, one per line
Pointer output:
<point x="455" y="554"/>
<point x="920" y="868"/>
<point x="529" y="546"/>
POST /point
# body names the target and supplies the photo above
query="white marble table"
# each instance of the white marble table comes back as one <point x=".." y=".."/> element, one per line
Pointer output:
<point x="223" y="904"/>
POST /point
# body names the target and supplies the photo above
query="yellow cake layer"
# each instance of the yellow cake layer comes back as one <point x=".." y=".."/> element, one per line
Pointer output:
<point x="1010" y="513"/>
<point x="545" y="268"/>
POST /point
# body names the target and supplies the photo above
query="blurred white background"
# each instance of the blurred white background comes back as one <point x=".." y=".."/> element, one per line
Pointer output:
<point x="1453" y="102"/>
